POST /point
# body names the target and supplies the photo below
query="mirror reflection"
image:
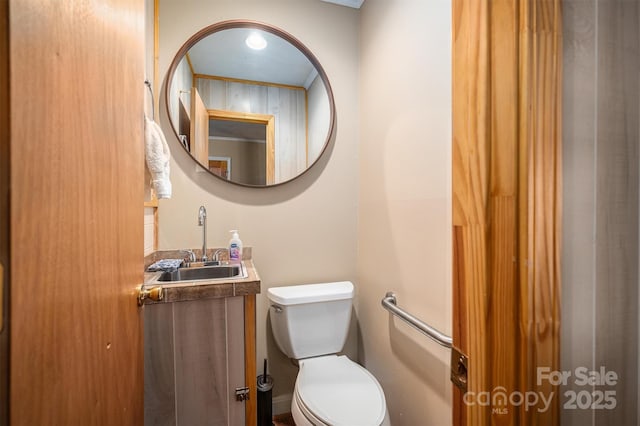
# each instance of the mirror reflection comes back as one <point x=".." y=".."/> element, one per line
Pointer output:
<point x="251" y="104"/>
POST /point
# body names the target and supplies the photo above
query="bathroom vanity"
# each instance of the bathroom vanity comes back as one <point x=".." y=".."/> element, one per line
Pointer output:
<point x="199" y="348"/>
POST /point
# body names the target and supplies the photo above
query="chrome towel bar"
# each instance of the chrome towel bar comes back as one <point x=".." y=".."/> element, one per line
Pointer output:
<point x="390" y="304"/>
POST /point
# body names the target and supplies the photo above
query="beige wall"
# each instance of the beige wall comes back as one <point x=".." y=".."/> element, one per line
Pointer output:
<point x="360" y="214"/>
<point x="301" y="232"/>
<point x="404" y="229"/>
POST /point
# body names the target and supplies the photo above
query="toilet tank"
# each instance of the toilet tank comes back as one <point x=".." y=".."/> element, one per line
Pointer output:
<point x="311" y="320"/>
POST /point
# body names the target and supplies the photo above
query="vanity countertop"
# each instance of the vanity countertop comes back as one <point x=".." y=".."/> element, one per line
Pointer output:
<point x="179" y="291"/>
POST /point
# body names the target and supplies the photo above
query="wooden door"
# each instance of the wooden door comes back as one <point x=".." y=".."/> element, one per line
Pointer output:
<point x="199" y="129"/>
<point x="506" y="205"/>
<point x="76" y="212"/>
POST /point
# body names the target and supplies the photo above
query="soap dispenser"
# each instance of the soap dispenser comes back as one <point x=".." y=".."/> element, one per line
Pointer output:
<point x="235" y="247"/>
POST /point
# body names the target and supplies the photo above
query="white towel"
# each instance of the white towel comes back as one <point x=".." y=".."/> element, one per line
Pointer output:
<point x="157" y="154"/>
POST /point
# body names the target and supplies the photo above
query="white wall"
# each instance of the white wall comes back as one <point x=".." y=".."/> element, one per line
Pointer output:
<point x="404" y="229"/>
<point x="304" y="231"/>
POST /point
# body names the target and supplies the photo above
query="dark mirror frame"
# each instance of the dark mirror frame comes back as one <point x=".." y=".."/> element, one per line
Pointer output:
<point x="226" y="25"/>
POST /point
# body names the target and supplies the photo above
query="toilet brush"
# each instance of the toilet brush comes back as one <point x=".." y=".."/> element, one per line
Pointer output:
<point x="265" y="384"/>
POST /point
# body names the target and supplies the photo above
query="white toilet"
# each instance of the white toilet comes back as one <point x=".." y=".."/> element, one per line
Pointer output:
<point x="310" y="324"/>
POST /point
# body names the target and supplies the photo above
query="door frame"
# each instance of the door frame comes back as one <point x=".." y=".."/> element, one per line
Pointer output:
<point x="5" y="231"/>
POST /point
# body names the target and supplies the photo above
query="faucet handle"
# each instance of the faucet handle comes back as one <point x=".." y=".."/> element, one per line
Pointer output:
<point x="191" y="255"/>
<point x="216" y="254"/>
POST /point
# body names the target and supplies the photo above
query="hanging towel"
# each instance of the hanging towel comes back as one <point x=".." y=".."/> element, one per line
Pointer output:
<point x="157" y="155"/>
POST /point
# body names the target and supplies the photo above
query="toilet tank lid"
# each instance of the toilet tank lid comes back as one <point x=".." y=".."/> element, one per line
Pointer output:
<point x="311" y="293"/>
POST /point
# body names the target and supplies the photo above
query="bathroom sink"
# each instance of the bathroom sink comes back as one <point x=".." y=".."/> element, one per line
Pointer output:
<point x="205" y="273"/>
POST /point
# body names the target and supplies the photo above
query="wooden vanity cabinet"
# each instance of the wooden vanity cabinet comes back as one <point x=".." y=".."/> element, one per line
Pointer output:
<point x="196" y="354"/>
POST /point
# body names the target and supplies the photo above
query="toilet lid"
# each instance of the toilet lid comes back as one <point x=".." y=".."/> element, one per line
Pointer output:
<point x="340" y="392"/>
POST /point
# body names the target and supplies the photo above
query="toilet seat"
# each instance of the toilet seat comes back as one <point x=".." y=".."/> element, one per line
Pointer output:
<point x="336" y="391"/>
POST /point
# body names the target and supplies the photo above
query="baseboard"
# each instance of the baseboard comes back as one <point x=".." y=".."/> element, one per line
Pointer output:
<point x="281" y="404"/>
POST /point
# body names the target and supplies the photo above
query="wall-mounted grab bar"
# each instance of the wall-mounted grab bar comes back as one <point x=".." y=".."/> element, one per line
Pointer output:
<point x="389" y="303"/>
<point x="459" y="361"/>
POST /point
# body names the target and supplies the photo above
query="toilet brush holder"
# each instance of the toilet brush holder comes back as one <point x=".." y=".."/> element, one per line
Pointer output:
<point x="265" y="416"/>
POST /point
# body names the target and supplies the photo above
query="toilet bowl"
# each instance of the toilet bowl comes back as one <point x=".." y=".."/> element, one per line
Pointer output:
<point x="310" y="324"/>
<point x="333" y="390"/>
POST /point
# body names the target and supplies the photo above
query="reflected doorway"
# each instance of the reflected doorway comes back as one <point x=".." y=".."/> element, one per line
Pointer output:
<point x="241" y="147"/>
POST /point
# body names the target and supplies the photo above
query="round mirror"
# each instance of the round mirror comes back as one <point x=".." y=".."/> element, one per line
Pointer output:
<point x="250" y="103"/>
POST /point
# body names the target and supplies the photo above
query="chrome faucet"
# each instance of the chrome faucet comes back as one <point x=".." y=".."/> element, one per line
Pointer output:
<point x="202" y="221"/>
